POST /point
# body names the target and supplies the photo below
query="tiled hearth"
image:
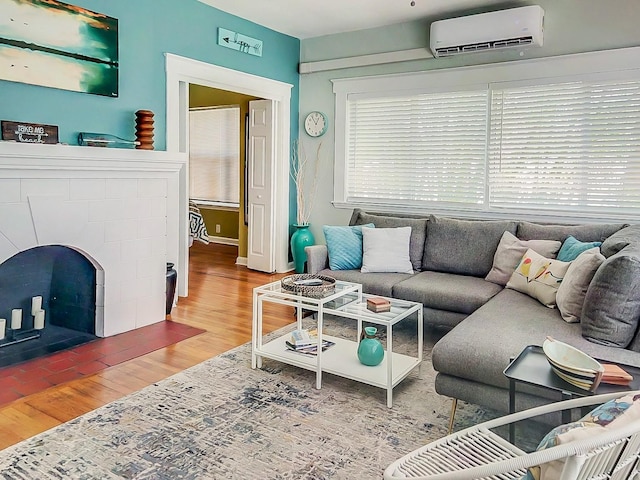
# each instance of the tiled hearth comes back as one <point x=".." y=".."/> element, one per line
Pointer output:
<point x="122" y="209"/>
<point x="36" y="375"/>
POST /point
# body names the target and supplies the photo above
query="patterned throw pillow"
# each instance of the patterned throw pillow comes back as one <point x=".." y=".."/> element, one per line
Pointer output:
<point x="344" y="245"/>
<point x="613" y="414"/>
<point x="539" y="277"/>
<point x="573" y="247"/>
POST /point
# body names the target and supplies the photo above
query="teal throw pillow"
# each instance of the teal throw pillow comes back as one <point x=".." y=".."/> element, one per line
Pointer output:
<point x="573" y="247"/>
<point x="344" y="244"/>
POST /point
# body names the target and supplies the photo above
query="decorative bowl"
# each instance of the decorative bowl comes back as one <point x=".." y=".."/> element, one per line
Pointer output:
<point x="296" y="284"/>
<point x="573" y="365"/>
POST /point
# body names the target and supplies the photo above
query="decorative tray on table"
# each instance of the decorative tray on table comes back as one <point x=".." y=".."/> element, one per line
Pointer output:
<point x="309" y="285"/>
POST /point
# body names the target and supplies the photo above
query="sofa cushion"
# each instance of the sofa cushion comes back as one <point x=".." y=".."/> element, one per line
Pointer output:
<point x="386" y="250"/>
<point x="344" y="245"/>
<point x="463" y="246"/>
<point x="510" y="251"/>
<point x="538" y="277"/>
<point x="473" y="349"/>
<point x="373" y="283"/>
<point x="627" y="236"/>
<point x="572" y="247"/>
<point x="574" y="286"/>
<point x="418" y="231"/>
<point x="612" y="304"/>
<point x="584" y="233"/>
<point x="446" y="291"/>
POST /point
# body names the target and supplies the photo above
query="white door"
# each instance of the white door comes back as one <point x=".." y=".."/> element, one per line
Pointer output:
<point x="260" y="248"/>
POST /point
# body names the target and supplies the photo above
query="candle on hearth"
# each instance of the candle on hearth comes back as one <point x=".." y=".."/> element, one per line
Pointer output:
<point x="3" y="327"/>
<point x="16" y="319"/>
<point x="36" y="304"/>
<point x="38" y="321"/>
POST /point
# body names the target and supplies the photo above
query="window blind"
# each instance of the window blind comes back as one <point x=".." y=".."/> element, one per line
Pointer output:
<point x="214" y="154"/>
<point x="419" y="148"/>
<point x="571" y="146"/>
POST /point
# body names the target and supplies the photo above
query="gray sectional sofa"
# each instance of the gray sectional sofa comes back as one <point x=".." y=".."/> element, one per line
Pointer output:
<point x="488" y="324"/>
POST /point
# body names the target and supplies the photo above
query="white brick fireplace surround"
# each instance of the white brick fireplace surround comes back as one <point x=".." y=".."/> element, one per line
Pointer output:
<point x="123" y="209"/>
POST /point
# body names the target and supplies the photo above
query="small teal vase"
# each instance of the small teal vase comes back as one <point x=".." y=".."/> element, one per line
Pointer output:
<point x="300" y="239"/>
<point x="370" y="351"/>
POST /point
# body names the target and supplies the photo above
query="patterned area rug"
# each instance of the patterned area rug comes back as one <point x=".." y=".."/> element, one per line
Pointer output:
<point x="223" y="420"/>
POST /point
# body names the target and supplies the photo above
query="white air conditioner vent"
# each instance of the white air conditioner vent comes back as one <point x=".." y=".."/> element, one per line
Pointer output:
<point x="516" y="27"/>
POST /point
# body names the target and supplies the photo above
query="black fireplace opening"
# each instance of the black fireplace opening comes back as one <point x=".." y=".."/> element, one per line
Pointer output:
<point x="66" y="281"/>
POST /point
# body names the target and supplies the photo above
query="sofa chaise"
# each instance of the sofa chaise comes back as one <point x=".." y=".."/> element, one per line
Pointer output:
<point x="489" y="323"/>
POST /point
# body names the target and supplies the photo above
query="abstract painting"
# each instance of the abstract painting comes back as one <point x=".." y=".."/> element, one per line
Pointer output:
<point x="54" y="44"/>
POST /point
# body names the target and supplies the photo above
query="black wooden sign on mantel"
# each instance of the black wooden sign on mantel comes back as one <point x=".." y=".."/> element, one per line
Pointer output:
<point x="29" y="132"/>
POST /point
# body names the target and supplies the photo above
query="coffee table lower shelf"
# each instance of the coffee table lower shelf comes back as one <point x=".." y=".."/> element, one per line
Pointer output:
<point x="342" y="360"/>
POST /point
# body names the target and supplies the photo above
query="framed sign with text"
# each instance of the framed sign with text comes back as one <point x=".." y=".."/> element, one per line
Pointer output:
<point x="22" y="132"/>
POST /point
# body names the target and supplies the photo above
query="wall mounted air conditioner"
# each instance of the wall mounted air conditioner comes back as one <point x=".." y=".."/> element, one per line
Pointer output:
<point x="516" y="27"/>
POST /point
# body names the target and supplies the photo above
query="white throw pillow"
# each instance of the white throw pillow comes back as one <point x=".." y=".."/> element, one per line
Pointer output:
<point x="386" y="250"/>
<point x="510" y="251"/>
<point x="573" y="289"/>
<point x="538" y="277"/>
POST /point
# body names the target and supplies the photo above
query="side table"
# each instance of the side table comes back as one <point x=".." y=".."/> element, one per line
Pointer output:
<point x="532" y="368"/>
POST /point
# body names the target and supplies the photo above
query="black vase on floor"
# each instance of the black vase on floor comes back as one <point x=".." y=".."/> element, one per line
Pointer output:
<point x="172" y="277"/>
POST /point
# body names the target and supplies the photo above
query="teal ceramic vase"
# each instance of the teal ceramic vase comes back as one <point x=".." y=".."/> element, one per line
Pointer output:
<point x="300" y="239"/>
<point x="370" y="351"/>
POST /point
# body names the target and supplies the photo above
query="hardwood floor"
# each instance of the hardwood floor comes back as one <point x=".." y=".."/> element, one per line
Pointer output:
<point x="219" y="301"/>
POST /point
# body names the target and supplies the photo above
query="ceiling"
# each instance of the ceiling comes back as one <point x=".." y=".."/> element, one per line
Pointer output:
<point x="314" y="18"/>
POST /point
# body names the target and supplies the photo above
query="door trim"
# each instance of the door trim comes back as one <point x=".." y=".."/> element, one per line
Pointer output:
<point x="180" y="72"/>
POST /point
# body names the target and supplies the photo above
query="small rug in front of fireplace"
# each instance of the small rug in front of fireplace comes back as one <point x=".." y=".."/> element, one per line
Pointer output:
<point x="33" y="376"/>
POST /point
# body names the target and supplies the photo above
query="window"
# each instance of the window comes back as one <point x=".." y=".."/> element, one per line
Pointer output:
<point x="214" y="155"/>
<point x="440" y="141"/>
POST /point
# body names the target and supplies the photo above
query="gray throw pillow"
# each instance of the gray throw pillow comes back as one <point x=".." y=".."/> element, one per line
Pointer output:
<point x="510" y="251"/>
<point x="574" y="286"/>
<point x="627" y="236"/>
<point x="418" y="231"/>
<point x="612" y="305"/>
<point x="463" y="246"/>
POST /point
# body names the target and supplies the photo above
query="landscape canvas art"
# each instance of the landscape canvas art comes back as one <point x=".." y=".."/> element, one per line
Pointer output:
<point x="54" y="44"/>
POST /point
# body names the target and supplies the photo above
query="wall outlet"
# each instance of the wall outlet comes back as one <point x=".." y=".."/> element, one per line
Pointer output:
<point x="217" y="228"/>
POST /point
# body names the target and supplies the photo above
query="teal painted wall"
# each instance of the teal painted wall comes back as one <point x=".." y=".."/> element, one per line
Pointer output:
<point x="147" y="30"/>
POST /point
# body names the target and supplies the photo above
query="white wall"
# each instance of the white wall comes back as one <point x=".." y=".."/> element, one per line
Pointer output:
<point x="571" y="26"/>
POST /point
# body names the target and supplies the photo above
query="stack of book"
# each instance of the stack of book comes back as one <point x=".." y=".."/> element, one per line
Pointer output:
<point x="306" y="341"/>
<point x="379" y="304"/>
<point x="615" y="375"/>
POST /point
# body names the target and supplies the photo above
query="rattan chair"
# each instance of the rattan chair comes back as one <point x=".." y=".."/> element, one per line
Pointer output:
<point x="478" y="453"/>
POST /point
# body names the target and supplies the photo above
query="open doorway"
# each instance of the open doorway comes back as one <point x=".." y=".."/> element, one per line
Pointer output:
<point x="223" y="211"/>
<point x="183" y="71"/>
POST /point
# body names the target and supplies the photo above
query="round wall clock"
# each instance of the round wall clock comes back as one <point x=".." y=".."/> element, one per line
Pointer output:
<point x="315" y="124"/>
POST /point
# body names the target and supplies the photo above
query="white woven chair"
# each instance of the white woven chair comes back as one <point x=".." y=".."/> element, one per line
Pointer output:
<point x="478" y="453"/>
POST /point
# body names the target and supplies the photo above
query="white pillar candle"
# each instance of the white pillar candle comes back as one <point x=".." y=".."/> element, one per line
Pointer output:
<point x="38" y="322"/>
<point x="3" y="327"/>
<point x="16" y="319"/>
<point x="36" y="304"/>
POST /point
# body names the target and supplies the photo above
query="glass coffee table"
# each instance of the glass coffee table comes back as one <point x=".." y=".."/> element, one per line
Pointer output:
<point x="532" y="368"/>
<point x="341" y="359"/>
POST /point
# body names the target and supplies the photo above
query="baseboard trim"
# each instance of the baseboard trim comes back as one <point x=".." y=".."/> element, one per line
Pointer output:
<point x="241" y="261"/>
<point x="223" y="240"/>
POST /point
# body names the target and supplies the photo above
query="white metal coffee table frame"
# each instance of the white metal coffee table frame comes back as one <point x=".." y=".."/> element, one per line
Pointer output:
<point x="348" y="301"/>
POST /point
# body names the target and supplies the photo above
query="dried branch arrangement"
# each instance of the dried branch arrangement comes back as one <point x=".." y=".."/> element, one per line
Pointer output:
<point x="304" y="172"/>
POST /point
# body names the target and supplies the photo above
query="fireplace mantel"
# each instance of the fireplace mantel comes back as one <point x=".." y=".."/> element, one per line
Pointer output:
<point x="124" y="208"/>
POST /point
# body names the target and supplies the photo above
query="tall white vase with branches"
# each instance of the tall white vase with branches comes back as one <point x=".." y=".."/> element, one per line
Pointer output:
<point x="304" y="175"/>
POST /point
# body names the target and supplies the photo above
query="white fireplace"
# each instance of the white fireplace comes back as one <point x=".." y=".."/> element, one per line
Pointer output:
<point x="123" y="209"/>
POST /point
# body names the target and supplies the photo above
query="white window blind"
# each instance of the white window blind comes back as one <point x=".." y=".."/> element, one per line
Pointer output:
<point x="214" y="154"/>
<point x="419" y="148"/>
<point x="571" y="146"/>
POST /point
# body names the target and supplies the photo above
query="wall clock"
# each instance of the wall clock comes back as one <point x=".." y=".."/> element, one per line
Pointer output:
<point x="315" y="124"/>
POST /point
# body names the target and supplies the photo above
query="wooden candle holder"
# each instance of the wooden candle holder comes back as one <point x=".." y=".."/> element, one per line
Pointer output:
<point x="144" y="129"/>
